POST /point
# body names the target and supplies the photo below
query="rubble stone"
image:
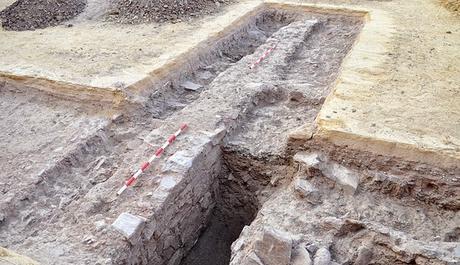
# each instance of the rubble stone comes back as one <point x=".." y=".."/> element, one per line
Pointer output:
<point x="310" y="159"/>
<point x="322" y="257"/>
<point x="188" y="85"/>
<point x="330" y="169"/>
<point x="301" y="257"/>
<point x="364" y="256"/>
<point x="306" y="190"/>
<point x="129" y="225"/>
<point x="274" y="248"/>
<point x="179" y="162"/>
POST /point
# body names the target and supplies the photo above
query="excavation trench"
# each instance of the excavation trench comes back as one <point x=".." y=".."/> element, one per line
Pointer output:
<point x="223" y="174"/>
<point x="253" y="164"/>
<point x="243" y="185"/>
<point x="264" y="104"/>
<point x="222" y="190"/>
<point x="184" y="85"/>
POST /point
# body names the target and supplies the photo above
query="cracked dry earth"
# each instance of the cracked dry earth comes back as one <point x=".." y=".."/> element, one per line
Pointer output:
<point x="241" y="186"/>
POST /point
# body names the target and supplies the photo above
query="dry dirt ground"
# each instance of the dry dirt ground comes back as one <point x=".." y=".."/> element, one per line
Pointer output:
<point x="342" y="146"/>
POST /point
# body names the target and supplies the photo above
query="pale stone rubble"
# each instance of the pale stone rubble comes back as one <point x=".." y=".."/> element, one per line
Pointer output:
<point x="332" y="170"/>
<point x="274" y="247"/>
<point x="301" y="217"/>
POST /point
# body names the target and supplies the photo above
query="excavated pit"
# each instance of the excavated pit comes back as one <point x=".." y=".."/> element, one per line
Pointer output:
<point x="232" y="174"/>
<point x="255" y="165"/>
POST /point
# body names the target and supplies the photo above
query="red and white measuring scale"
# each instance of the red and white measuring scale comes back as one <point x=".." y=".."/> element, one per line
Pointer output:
<point x="264" y="55"/>
<point x="145" y="165"/>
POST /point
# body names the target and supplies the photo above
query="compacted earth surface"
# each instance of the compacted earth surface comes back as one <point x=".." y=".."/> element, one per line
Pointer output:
<point x="248" y="181"/>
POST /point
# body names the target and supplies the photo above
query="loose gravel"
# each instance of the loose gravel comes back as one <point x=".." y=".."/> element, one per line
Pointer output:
<point x="36" y="14"/>
<point x="140" y="11"/>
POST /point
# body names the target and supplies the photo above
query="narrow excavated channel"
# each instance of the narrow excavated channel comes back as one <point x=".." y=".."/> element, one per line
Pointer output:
<point x="252" y="158"/>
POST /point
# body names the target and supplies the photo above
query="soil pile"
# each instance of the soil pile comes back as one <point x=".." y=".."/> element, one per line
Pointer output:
<point x="37" y="14"/>
<point x="138" y="11"/>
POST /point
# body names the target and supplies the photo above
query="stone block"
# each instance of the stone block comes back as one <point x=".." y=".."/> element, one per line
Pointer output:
<point x="167" y="183"/>
<point x="130" y="226"/>
<point x="179" y="162"/>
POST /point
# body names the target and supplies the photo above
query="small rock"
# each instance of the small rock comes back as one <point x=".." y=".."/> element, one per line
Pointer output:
<point x="301" y="257"/>
<point x="322" y="257"/>
<point x="274" y="248"/>
<point x="119" y="84"/>
<point x="88" y="239"/>
<point x="309" y="159"/>
<point x="100" y="225"/>
<point x="302" y="133"/>
<point x="188" y="85"/>
<point x="342" y="175"/>
<point x="117" y="118"/>
<point x="364" y="256"/>
<point x="334" y="171"/>
<point x="306" y="190"/>
<point x="100" y="163"/>
<point x="205" y="75"/>
<point x="312" y="248"/>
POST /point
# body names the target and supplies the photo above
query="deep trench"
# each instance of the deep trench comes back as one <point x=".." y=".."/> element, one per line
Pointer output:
<point x="244" y="183"/>
<point x="241" y="182"/>
<point x="244" y="180"/>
